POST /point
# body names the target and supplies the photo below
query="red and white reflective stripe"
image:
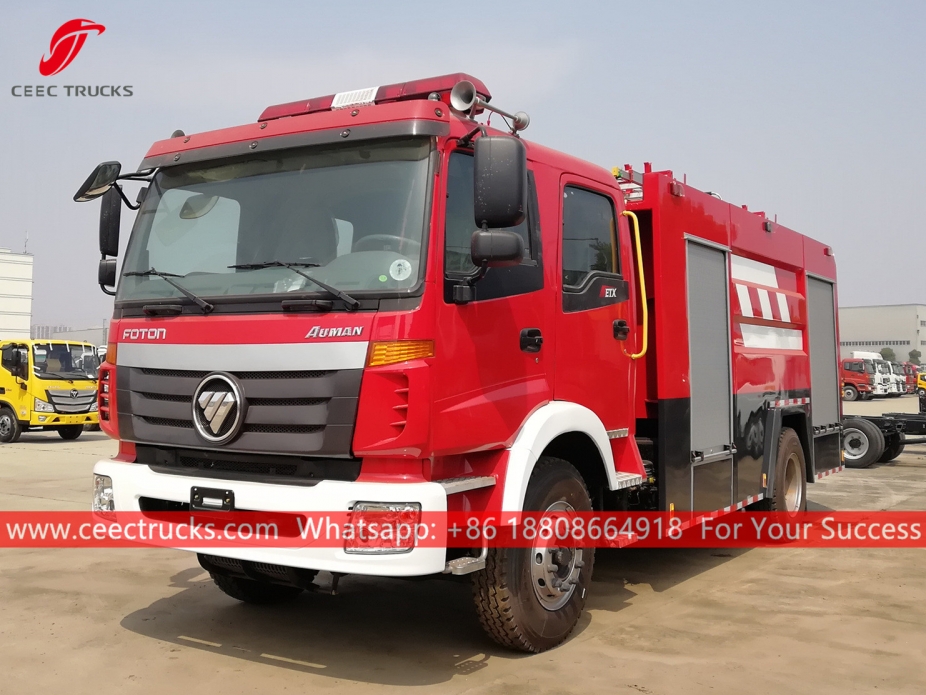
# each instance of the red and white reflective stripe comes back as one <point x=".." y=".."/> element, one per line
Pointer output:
<point x="831" y="471"/>
<point x="790" y="401"/>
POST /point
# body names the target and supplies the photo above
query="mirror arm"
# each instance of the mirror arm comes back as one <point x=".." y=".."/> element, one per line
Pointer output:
<point x="467" y="139"/>
<point x="124" y="199"/>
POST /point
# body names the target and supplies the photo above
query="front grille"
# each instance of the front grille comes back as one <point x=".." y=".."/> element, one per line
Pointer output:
<point x="168" y="422"/>
<point x="64" y="402"/>
<point x="228" y="465"/>
<point x="283" y="429"/>
<point x="299" y="412"/>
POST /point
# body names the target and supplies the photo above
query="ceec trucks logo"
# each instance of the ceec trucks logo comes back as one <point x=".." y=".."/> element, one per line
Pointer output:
<point x="66" y="44"/>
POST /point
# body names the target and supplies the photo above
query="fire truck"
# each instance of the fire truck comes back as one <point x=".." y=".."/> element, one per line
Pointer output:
<point x="373" y="301"/>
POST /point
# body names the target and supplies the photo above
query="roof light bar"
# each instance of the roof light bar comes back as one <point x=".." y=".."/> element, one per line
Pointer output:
<point x="402" y="91"/>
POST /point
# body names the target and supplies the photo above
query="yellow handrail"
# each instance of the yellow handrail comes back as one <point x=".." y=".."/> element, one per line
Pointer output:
<point x="636" y="235"/>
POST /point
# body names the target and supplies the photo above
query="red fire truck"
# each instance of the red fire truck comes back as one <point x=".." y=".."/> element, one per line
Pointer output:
<point x="371" y="301"/>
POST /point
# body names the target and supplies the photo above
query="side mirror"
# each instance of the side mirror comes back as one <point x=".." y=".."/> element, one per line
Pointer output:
<point x="20" y="364"/>
<point x="106" y="273"/>
<point x="496" y="248"/>
<point x="110" y="216"/>
<point x="500" y="181"/>
<point x="99" y="182"/>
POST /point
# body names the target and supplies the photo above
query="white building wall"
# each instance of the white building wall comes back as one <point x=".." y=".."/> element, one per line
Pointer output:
<point x="901" y="327"/>
<point x="15" y="294"/>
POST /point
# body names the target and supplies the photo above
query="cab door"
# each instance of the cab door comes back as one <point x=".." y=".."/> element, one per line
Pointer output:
<point x="595" y="317"/>
<point x="11" y="387"/>
<point x="492" y="370"/>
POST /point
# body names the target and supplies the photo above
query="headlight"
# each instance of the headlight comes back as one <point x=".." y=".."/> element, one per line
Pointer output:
<point x="103" y="494"/>
<point x="43" y="407"/>
<point x="382" y="527"/>
<point x="94" y="407"/>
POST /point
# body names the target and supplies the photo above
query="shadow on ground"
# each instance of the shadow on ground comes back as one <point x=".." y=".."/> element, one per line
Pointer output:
<point x="429" y="626"/>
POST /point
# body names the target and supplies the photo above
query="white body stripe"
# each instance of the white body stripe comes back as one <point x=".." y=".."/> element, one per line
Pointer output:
<point x="752" y="271"/>
<point x="769" y="337"/>
<point x="338" y="354"/>
<point x="745" y="302"/>
<point x="766" y="304"/>
<point x="823" y="474"/>
<point x="790" y="401"/>
<point x="783" y="307"/>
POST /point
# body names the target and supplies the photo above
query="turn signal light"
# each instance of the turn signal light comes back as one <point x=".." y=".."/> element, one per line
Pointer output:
<point x="397" y="351"/>
<point x="111" y="353"/>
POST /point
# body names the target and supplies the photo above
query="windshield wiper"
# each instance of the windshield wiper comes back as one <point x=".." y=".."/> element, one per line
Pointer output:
<point x="166" y="277"/>
<point x="352" y="304"/>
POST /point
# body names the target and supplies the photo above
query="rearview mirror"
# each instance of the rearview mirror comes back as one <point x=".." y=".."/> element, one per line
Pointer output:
<point x="110" y="216"/>
<point x="20" y="363"/>
<point x="197" y="205"/>
<point x="106" y="273"/>
<point x="496" y="248"/>
<point x="500" y="181"/>
<point x="99" y="182"/>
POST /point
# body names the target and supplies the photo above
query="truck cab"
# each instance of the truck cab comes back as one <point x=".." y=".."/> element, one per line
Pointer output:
<point x="858" y="380"/>
<point x="48" y="385"/>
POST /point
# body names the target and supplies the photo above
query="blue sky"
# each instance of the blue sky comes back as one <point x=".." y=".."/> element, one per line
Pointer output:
<point x="809" y="110"/>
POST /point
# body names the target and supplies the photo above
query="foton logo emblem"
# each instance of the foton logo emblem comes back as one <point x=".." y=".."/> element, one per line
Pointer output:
<point x="144" y="334"/>
<point x="66" y="44"/>
<point x="318" y="332"/>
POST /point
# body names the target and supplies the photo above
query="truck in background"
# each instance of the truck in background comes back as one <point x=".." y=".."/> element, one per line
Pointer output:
<point x="48" y="385"/>
<point x="370" y="301"/>
<point x="883" y="374"/>
<point x="859" y="380"/>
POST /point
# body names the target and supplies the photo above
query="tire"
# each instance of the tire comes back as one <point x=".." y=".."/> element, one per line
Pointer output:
<point x="862" y="442"/>
<point x="10" y="429"/>
<point x="894" y="446"/>
<point x="849" y="393"/>
<point x="517" y="605"/>
<point x="790" y="491"/>
<point x="921" y="392"/>
<point x="70" y="432"/>
<point x="251" y="591"/>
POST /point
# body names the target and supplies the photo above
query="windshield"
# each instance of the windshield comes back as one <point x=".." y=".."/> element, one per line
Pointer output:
<point x="869" y="369"/>
<point x="64" y="361"/>
<point x="883" y="368"/>
<point x="351" y="216"/>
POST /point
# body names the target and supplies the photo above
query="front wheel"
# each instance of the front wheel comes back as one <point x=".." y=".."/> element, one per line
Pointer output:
<point x="849" y="393"/>
<point x="530" y="599"/>
<point x="70" y="432"/>
<point x="10" y="429"/>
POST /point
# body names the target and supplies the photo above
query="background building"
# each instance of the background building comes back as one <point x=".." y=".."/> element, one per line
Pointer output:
<point x="48" y="331"/>
<point x="15" y="294"/>
<point x="96" y="336"/>
<point x="901" y="327"/>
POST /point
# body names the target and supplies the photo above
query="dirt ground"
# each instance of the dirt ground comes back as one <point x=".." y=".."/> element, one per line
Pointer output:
<point x="658" y="621"/>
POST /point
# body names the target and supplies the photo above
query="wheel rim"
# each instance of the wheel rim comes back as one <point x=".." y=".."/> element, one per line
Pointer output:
<point x="6" y="425"/>
<point x="855" y="444"/>
<point x="793" y="488"/>
<point x="555" y="568"/>
<point x="849" y="393"/>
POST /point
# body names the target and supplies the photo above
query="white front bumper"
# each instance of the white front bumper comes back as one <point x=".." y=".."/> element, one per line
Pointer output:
<point x="132" y="481"/>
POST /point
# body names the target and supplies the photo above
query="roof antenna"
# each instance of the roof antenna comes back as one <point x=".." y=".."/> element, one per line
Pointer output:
<point x="26" y="244"/>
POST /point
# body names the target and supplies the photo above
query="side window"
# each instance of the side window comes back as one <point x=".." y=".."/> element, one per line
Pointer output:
<point x="589" y="235"/>
<point x="460" y="224"/>
<point x="6" y="357"/>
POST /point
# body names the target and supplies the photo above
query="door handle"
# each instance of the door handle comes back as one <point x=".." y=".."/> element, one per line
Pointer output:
<point x="621" y="330"/>
<point x="531" y="340"/>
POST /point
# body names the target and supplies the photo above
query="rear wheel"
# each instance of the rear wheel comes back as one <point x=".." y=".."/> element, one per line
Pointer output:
<point x="70" y="432"/>
<point x="10" y="428"/>
<point x="862" y="442"/>
<point x="893" y="447"/>
<point x="849" y="393"/>
<point x="790" y="491"/>
<point x="251" y="591"/>
<point x="530" y="599"/>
